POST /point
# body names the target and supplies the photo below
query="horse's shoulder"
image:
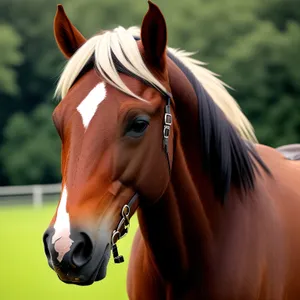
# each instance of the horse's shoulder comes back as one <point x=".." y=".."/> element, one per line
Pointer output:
<point x="268" y="154"/>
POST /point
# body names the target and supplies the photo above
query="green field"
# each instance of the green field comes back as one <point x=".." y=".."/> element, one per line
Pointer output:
<point x="24" y="272"/>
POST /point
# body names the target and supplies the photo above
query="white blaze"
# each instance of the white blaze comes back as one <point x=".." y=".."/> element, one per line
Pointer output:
<point x="88" y="107"/>
<point x="61" y="237"/>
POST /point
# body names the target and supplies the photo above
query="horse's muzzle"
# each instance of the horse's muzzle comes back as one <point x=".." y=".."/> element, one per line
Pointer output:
<point x="78" y="259"/>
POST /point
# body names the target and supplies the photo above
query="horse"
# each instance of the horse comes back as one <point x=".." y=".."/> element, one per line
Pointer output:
<point x="148" y="129"/>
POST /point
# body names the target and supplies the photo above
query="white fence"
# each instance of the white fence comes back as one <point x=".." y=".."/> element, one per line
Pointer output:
<point x="35" y="194"/>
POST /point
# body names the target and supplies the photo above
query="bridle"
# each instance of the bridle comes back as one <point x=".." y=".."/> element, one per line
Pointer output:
<point x="124" y="224"/>
<point x="122" y="228"/>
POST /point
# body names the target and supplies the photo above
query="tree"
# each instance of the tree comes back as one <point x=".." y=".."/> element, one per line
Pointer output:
<point x="10" y="57"/>
<point x="35" y="80"/>
<point x="252" y="44"/>
<point x="31" y="153"/>
<point x="255" y="51"/>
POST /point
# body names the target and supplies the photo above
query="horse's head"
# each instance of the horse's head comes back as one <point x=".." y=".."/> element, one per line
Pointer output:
<point x="114" y="124"/>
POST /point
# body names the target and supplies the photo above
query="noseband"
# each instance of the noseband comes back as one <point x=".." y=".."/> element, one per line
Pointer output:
<point x="123" y="226"/>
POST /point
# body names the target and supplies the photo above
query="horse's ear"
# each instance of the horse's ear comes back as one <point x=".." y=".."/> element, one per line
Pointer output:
<point x="154" y="36"/>
<point x="67" y="36"/>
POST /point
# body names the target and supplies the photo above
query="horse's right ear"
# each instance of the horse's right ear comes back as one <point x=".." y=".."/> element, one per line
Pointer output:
<point x="67" y="36"/>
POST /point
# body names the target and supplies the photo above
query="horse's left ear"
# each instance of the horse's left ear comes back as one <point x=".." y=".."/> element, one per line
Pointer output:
<point x="154" y="36"/>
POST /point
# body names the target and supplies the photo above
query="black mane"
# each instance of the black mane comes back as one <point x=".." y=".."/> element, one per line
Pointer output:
<point x="226" y="157"/>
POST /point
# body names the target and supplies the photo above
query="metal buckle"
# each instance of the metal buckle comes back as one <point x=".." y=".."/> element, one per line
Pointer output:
<point x="166" y="132"/>
<point x="119" y="233"/>
<point x="117" y="258"/>
<point x="122" y="229"/>
<point x="168" y="119"/>
<point x="115" y="237"/>
<point x="125" y="222"/>
<point x="125" y="211"/>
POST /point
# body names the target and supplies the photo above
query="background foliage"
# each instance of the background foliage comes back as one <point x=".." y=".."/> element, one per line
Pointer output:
<point x="253" y="44"/>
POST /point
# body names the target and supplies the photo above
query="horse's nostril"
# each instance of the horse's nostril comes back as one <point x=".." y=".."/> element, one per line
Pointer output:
<point x="46" y="246"/>
<point x="82" y="252"/>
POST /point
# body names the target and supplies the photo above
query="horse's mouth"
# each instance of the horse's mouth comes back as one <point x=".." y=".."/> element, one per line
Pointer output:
<point x="83" y="279"/>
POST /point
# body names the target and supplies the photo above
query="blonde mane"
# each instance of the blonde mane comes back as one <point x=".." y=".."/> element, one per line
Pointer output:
<point x="122" y="44"/>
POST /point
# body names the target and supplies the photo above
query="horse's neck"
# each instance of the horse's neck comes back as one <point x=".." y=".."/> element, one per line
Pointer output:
<point x="176" y="229"/>
<point x="187" y="116"/>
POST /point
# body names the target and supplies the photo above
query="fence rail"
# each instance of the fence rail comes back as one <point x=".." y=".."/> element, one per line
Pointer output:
<point x="35" y="193"/>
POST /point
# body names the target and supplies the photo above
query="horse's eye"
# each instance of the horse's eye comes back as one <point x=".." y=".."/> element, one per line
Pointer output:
<point x="138" y="126"/>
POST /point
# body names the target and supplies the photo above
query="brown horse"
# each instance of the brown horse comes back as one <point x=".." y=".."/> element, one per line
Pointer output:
<point x="147" y="128"/>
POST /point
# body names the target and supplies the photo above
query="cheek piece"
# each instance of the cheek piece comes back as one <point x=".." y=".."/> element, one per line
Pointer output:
<point x="123" y="226"/>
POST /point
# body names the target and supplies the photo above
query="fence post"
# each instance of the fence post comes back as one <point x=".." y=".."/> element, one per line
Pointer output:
<point x="37" y="198"/>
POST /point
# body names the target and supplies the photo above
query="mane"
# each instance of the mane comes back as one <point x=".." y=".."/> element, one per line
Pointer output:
<point x="226" y="158"/>
<point x="122" y="44"/>
<point x="227" y="136"/>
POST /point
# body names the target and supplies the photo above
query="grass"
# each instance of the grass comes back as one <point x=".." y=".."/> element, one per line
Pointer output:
<point x="24" y="272"/>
